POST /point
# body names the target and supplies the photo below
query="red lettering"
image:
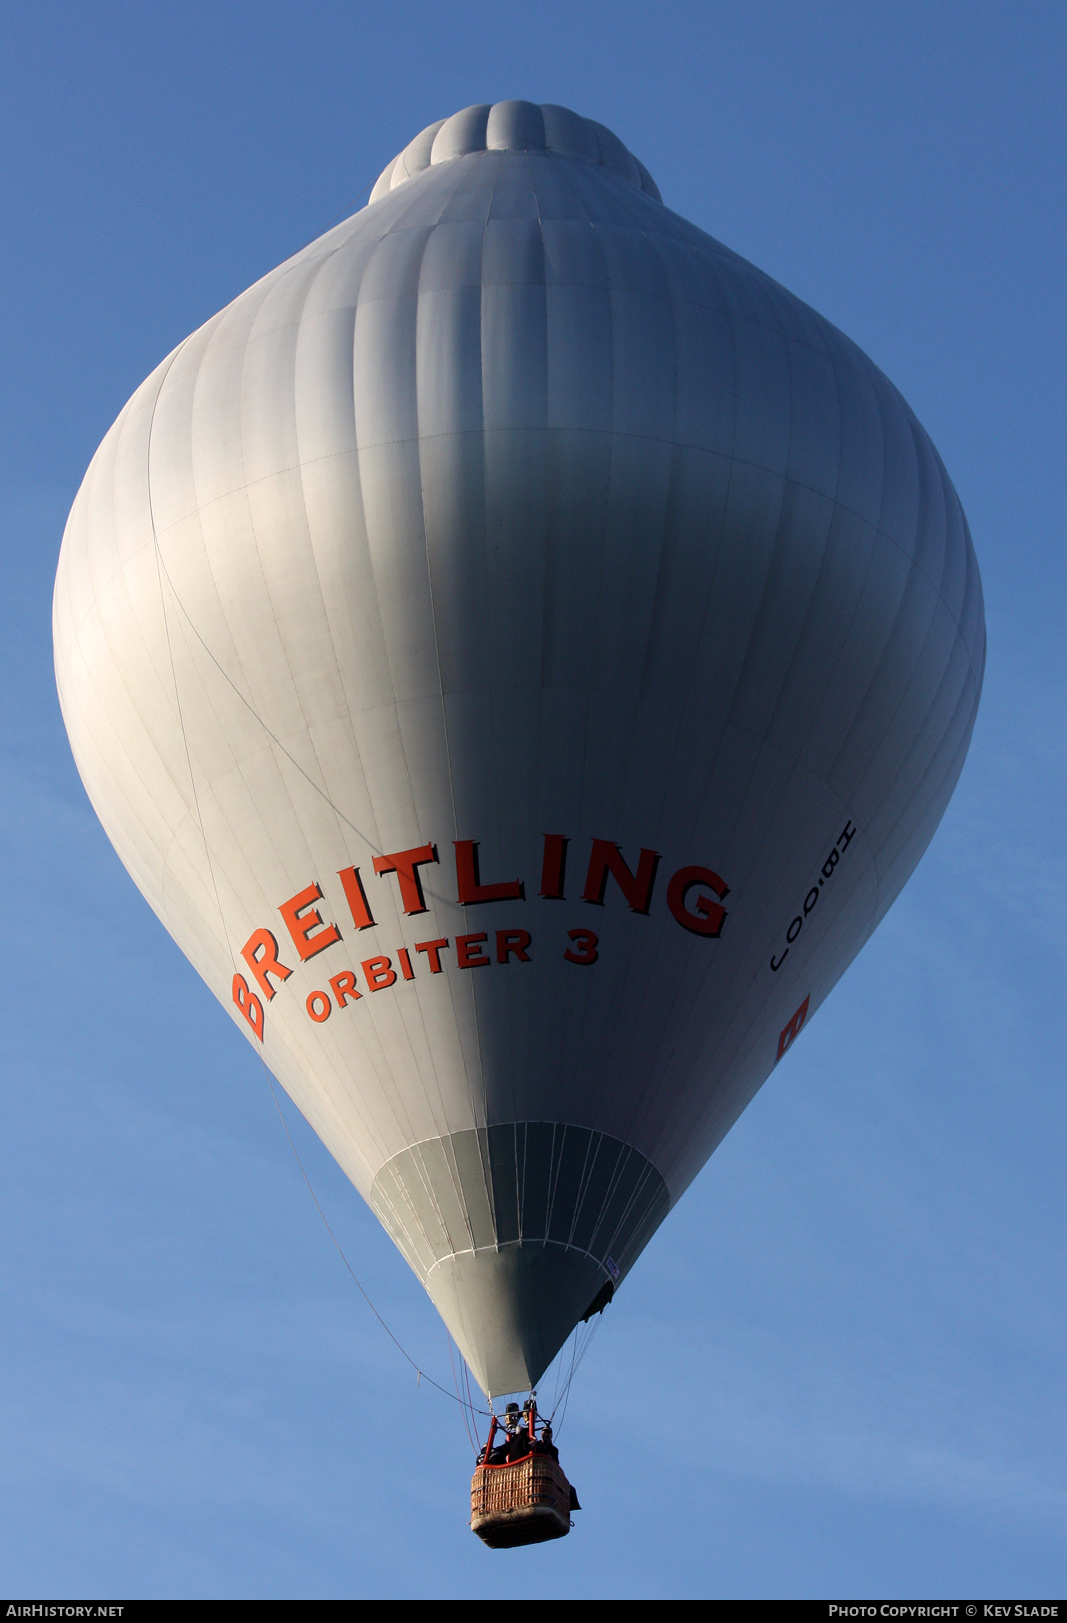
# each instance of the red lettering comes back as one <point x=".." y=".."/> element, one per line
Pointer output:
<point x="356" y="898"/>
<point x="466" y="956"/>
<point x="265" y="964"/>
<point x="379" y="973"/>
<point x="553" y="867"/>
<point x="788" y="1032"/>
<point x="607" y="859"/>
<point x="318" y="1006"/>
<point x="406" y="864"/>
<point x="249" y="1005"/>
<point x="432" y="949"/>
<point x="512" y="941"/>
<point x="405" y="964"/>
<point x="586" y="944"/>
<point x="468" y="879"/>
<point x="344" y="987"/>
<point x="301" y="928"/>
<point x="707" y="917"/>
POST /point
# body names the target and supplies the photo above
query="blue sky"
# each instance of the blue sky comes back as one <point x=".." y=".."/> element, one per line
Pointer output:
<point x="838" y="1369"/>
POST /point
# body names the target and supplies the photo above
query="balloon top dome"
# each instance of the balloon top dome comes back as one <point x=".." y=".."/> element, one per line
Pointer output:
<point x="515" y="126"/>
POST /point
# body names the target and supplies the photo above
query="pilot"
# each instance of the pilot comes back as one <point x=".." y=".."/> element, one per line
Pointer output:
<point x="544" y="1443"/>
<point x="505" y="1450"/>
<point x="516" y="1422"/>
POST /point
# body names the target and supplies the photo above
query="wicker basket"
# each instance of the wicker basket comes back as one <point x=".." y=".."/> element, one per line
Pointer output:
<point x="523" y="1503"/>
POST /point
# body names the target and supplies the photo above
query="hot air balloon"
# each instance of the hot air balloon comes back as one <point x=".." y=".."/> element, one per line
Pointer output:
<point x="520" y="652"/>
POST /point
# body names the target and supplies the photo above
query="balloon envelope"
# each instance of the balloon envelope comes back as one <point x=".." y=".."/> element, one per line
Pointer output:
<point x="520" y="652"/>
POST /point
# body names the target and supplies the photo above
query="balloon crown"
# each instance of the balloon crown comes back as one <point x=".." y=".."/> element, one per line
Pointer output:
<point x="515" y="126"/>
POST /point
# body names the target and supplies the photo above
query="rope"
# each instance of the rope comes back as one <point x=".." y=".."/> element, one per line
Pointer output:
<point x="471" y="1437"/>
<point x="421" y="1373"/>
<point x="470" y="1400"/>
<point x="580" y="1343"/>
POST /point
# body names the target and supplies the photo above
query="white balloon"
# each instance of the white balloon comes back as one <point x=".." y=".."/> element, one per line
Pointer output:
<point x="520" y="652"/>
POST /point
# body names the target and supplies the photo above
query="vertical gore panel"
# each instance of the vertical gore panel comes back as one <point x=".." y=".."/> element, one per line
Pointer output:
<point x="538" y="1174"/>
